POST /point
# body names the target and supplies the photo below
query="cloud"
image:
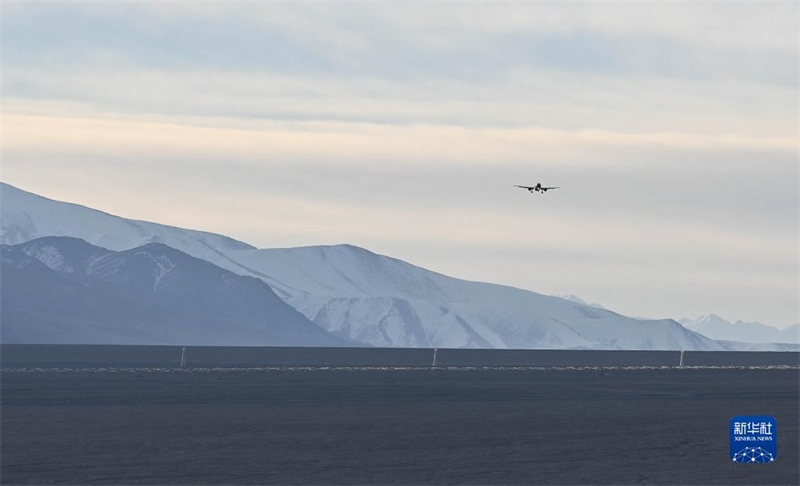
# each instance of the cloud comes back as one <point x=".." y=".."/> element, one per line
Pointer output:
<point x="348" y="143"/>
<point x="464" y="41"/>
<point x="519" y="98"/>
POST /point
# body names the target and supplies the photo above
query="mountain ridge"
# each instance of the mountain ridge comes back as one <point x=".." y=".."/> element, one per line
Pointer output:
<point x="718" y="328"/>
<point x="374" y="299"/>
<point x="153" y="294"/>
<point x="27" y="216"/>
<point x="384" y="301"/>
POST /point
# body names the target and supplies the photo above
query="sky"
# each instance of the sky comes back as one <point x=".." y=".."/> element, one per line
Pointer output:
<point x="671" y="129"/>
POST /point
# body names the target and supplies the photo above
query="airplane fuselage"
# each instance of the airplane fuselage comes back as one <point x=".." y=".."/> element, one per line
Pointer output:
<point x="537" y="188"/>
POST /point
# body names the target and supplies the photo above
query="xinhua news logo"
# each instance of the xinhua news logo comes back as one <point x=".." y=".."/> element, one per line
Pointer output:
<point x="754" y="439"/>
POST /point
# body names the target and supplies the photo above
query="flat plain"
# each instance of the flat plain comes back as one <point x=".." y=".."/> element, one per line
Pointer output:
<point x="391" y="426"/>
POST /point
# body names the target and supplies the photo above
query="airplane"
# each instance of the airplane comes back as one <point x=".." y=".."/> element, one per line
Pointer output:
<point x="538" y="188"/>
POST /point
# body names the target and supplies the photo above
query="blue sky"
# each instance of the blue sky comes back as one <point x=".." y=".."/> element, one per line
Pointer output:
<point x="401" y="127"/>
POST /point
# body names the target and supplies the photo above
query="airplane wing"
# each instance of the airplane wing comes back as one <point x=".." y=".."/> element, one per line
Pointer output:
<point x="525" y="187"/>
<point x="546" y="188"/>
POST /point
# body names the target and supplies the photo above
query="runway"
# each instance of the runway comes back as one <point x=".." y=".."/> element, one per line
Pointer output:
<point x="601" y="425"/>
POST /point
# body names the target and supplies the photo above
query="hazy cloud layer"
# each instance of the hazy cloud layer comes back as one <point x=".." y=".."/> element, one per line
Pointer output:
<point x="672" y="127"/>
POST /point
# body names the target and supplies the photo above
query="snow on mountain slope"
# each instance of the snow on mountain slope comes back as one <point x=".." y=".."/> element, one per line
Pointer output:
<point x="359" y="295"/>
<point x="62" y="290"/>
<point x="26" y="216"/>
<point x="383" y="301"/>
<point x="575" y="298"/>
<point x="715" y="327"/>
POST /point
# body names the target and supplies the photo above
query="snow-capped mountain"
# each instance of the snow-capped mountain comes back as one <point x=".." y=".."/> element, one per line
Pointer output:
<point x="715" y="327"/>
<point x="369" y="298"/>
<point x="26" y="216"/>
<point x="383" y="301"/>
<point x="63" y="290"/>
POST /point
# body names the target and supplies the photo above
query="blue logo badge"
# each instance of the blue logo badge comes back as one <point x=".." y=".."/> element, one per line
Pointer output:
<point x="754" y="439"/>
